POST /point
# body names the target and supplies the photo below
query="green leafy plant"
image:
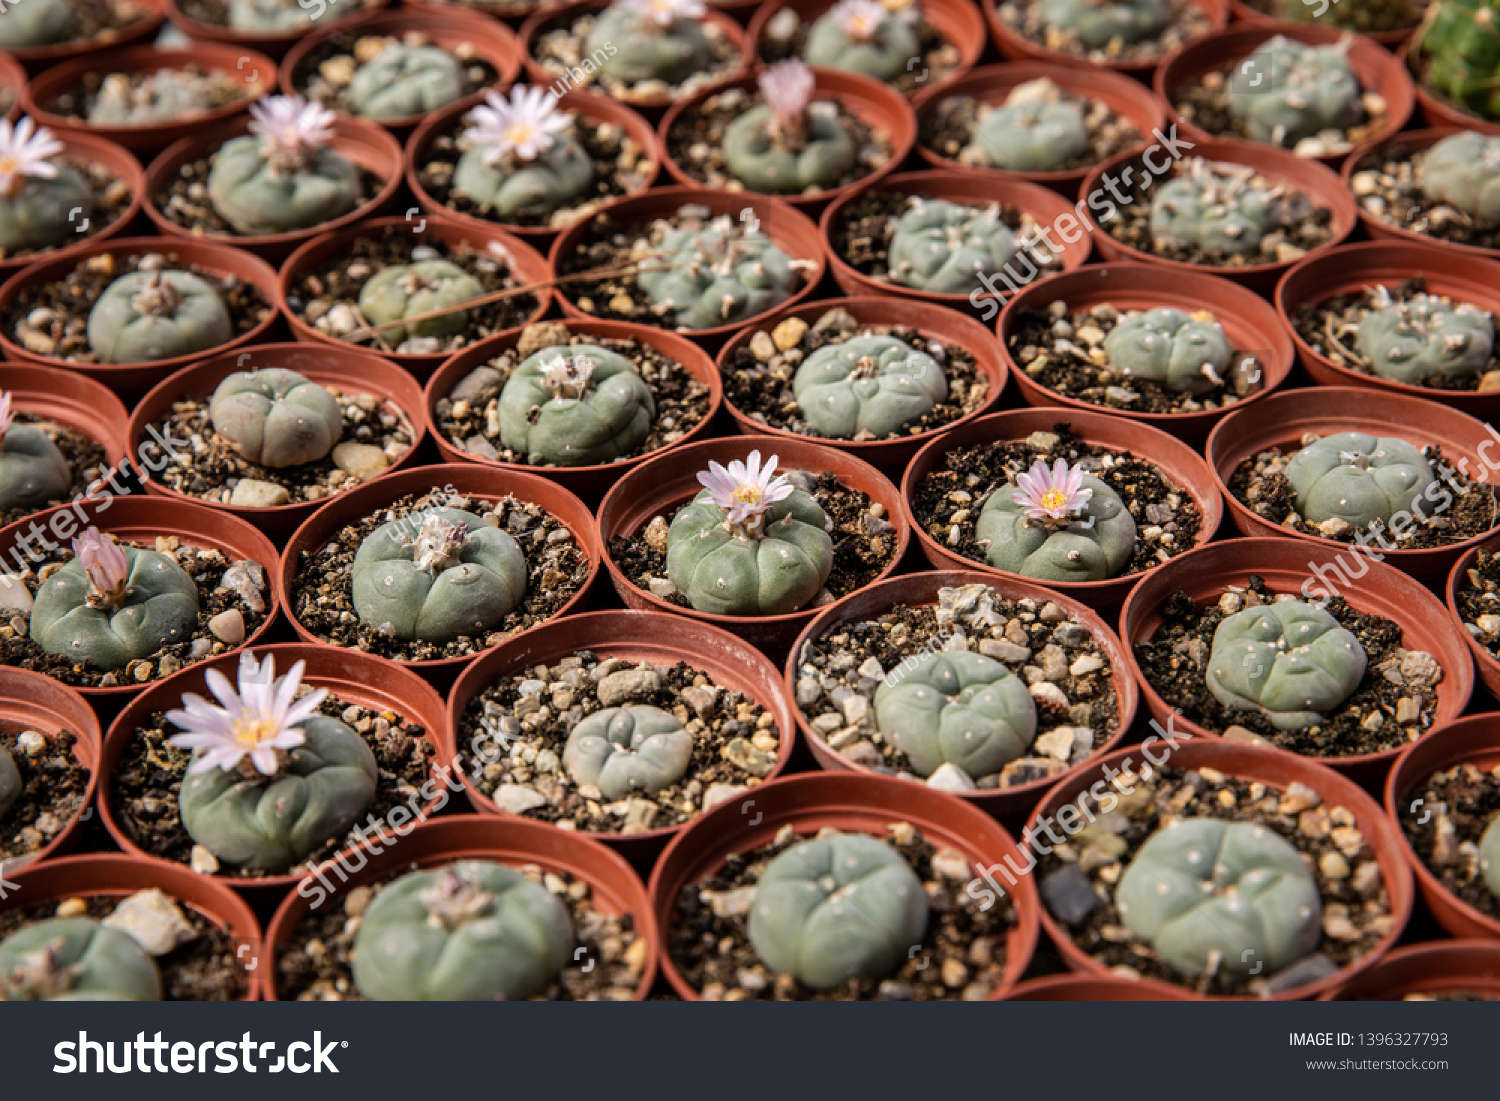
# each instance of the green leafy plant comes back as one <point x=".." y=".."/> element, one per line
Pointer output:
<point x="1097" y="22"/>
<point x="718" y="274"/>
<point x="32" y="469"/>
<point x="1461" y="41"/>
<point x="1358" y="479"/>
<point x="863" y="36"/>
<point x="406" y="80"/>
<point x="867" y="387"/>
<point x="11" y="784"/>
<point x="409" y="290"/>
<point x="1425" y="339"/>
<point x="521" y="156"/>
<point x="38" y="191"/>
<point x="1035" y="130"/>
<point x="1169" y="347"/>
<point x="628" y="750"/>
<point x="28" y="25"/>
<point x="1058" y="525"/>
<point x="75" y="959"/>
<point x="1463" y="170"/>
<point x="1315" y="89"/>
<point x="780" y="145"/>
<point x="276" y="417"/>
<point x="159" y="97"/>
<point x="575" y="405"/>
<point x="949" y="248"/>
<point x="268" y="16"/>
<point x="1218" y="208"/>
<point x="146" y="316"/>
<point x="650" y="40"/>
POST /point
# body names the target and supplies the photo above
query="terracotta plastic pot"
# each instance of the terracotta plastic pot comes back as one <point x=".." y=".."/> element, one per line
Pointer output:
<point x="1012" y="804"/>
<point x="369" y="147"/>
<point x="70" y="400"/>
<point x="13" y="82"/>
<point x="1470" y="966"/>
<point x="850" y="803"/>
<point x="877" y="105"/>
<point x="133" y="379"/>
<point x="933" y="321"/>
<point x="1247" y="14"/>
<point x="512" y="15"/>
<point x="1090" y="988"/>
<point x="256" y="71"/>
<point x="1486" y="662"/>
<point x="467" y="480"/>
<point x="1042" y="203"/>
<point x="589" y="482"/>
<point x="353" y="677"/>
<point x="790" y="229"/>
<point x="1320" y="184"/>
<point x="436" y="844"/>
<point x="1016" y="46"/>
<point x="347" y="368"/>
<point x="1376" y="69"/>
<point x="38" y="58"/>
<point x="991" y="84"/>
<point x="1283" y="419"/>
<point x="31" y="701"/>
<point x="636" y="637"/>
<point x="1247" y="319"/>
<point x="528" y="268"/>
<point x="1287" y="566"/>
<point x="117" y="876"/>
<point x="1179" y="463"/>
<point x="1278" y="770"/>
<point x="1438" y="109"/>
<point x="660" y="487"/>
<point x="276" y="43"/>
<point x="596" y="109"/>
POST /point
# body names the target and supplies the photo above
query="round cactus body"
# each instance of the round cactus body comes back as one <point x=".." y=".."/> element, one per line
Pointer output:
<point x="1313" y="88"/>
<point x="1168" y="347"/>
<point x="160" y="97"/>
<point x="32" y="469"/>
<point x="1461" y="42"/>
<point x="259" y="198"/>
<point x="28" y="25"/>
<point x="1212" y="214"/>
<point x="635" y="49"/>
<point x="276" y="417"/>
<point x="1291" y="661"/>
<point x="766" y="164"/>
<point x="1358" y="479"/>
<point x="884" y="55"/>
<point x="1095" y="546"/>
<point x="868" y="387"/>
<point x="1426" y="339"/>
<point x="609" y="419"/>
<point x="37" y="215"/>
<point x="268" y="16"/>
<point x="835" y="909"/>
<point x="712" y="276"/>
<point x="628" y="750"/>
<point x="553" y="179"/>
<point x="407" y="290"/>
<point x="1228" y="895"/>
<point x="1032" y="137"/>
<point x="75" y="959"/>
<point x="1489" y="856"/>
<point x="946" y="247"/>
<point x="11" y="784"/>
<point x="1463" y="170"/>
<point x="1097" y="22"/>
<point x="473" y="931"/>
<point x="406" y="80"/>
<point x="146" y="316"/>
<point x="957" y="707"/>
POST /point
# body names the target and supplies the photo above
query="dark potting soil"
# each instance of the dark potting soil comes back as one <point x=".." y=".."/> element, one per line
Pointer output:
<point x="111" y="195"/>
<point x="322" y="600"/>
<point x="1479" y="601"/>
<point x="1356" y="902"/>
<point x="1394" y="704"/>
<point x="1461" y="803"/>
<point x="558" y="46"/>
<point x="204" y="969"/>
<point x="864" y="542"/>
<point x="1205" y="103"/>
<point x="85" y="458"/>
<point x="317" y="964"/>
<point x="204" y="567"/>
<point x="186" y="202"/>
<point x="936" y="58"/>
<point x="947" y="502"/>
<point x="52" y="319"/>
<point x="325" y="72"/>
<point x="948" y="130"/>
<point x="513" y="734"/>
<point x="1385" y="185"/>
<point x="472" y="422"/>
<point x="222" y="88"/>
<point x="1186" y="21"/>
<point x="54" y="783"/>
<point x="962" y="956"/>
<point x="143" y="790"/>
<point x="1368" y="17"/>
<point x="102" y="18"/>
<point x="216" y="12"/>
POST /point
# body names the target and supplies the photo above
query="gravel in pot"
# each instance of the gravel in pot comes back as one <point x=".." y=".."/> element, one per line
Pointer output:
<point x="54" y="785"/>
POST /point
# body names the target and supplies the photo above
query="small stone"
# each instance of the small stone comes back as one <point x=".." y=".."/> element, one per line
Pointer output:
<point x="1408" y="710"/>
<point x="700" y="701"/>
<point x="1333" y="865"/>
<point x="481" y="448"/>
<point x="1088" y="663"/>
<point x="721" y="793"/>
<point x="949" y="777"/>
<point x="1420" y="669"/>
<point x="1298" y="798"/>
<point x="152" y="920"/>
<point x="239" y="581"/>
<point x="358" y="900"/>
<point x="517" y="798"/>
<point x="202" y="861"/>
<point x="864" y="754"/>
<point x="31" y="743"/>
<point x="661" y="587"/>
<point x="855" y="708"/>
<point x="741" y="753"/>
<point x="789" y="333"/>
<point x="808" y="691"/>
<point x="1243" y="736"/>
<point x="950" y="864"/>
<point x="1069" y="894"/>
<point x="762" y="347"/>
<point x="72" y="907"/>
<point x="1057" y="743"/>
<point x="252" y="493"/>
<point x="1003" y="649"/>
<point x="955" y="974"/>
<point x="639" y="815"/>
<point x="1028" y="770"/>
<point x="1490" y="382"/>
<point x="729" y="904"/>
<point x="1231" y="602"/>
<point x="1049" y="696"/>
<point x="228" y="627"/>
<point x="359" y="460"/>
<point x="14" y="599"/>
<point x="1334" y="527"/>
<point x="655" y="534"/>
<point x="627" y="685"/>
<point x="477" y="387"/>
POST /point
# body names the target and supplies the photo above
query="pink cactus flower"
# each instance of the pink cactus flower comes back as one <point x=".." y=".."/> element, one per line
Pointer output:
<point x="1055" y="494"/>
<point x="259" y="722"/>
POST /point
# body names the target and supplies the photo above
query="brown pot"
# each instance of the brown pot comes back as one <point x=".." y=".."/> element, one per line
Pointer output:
<point x="1248" y="320"/>
<point x="1244" y="13"/>
<point x="146" y="140"/>
<point x="1486" y="662"/>
<point x="351" y="676"/>
<point x="364" y="144"/>
<point x="13" y="81"/>
<point x="141" y="520"/>
<point x="1374" y="67"/>
<point x="1015" y="46"/>
<point x="118" y="876"/>
<point x="663" y="485"/>
<point x="970" y="188"/>
<point x="326" y="364"/>
<point x="491" y="42"/>
<point x="1324" y="188"/>
<point x="616" y="888"/>
<point x="877" y="105"/>
<point x="1471" y="966"/>
<point x="1287" y="566"/>
<point x="589" y="482"/>
<point x="133" y="379"/>
<point x="1283" y="419"/>
<point x="36" y="59"/>
<point x="991" y="85"/>
<point x="792" y="230"/>
<point x="1274" y="769"/>
<point x="1180" y="463"/>
<point x="72" y="401"/>
<point x="1012" y="804"/>
<point x="276" y="43"/>
<point x="729" y="662"/>
<point x="528" y="267"/>
<point x="933" y="321"/>
<point x="467" y="479"/>
<point x="1438" y="109"/>
<point x="595" y="108"/>
<point x="852" y="804"/>
<point x="31" y="701"/>
<point x="512" y="15"/>
<point x="1071" y="987"/>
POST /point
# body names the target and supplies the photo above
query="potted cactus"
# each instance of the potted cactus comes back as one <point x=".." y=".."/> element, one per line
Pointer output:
<point x="1389" y="22"/>
<point x="49" y="755"/>
<point x="1451" y="57"/>
<point x="1462" y="970"/>
<point x="55" y="31"/>
<point x="80" y="417"/>
<point x="1131" y="36"/>
<point x="270" y="26"/>
<point x="46" y="462"/>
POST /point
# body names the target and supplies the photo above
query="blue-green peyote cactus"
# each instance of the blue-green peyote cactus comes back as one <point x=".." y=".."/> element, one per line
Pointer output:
<point x="835" y="909"/>
<point x="75" y="959"/>
<point x="521" y="156"/>
<point x="868" y="387"/>
<point x="1097" y="22"/>
<point x="268" y="16"/>
<point x="1032" y="136"/>
<point x="146" y="316"/>
<point x="575" y="405"/>
<point x="1313" y="89"/>
<point x="406" y="80"/>
<point x="1358" y="479"/>
<point x="1168" y="347"/>
<point x="1425" y="338"/>
<point x="715" y="275"/>
<point x="1227" y="896"/>
<point x="1489" y="856"/>
<point x="1291" y="661"/>
<point x="1463" y="170"/>
<point x="948" y="248"/>
<point x="11" y="784"/>
<point x="628" y="750"/>
<point x="276" y="417"/>
<point x="473" y="931"/>
<point x="760" y="160"/>
<point x="32" y="469"/>
<point x="1217" y="208"/>
<point x="863" y="36"/>
<point x="407" y="290"/>
<point x="641" y="40"/>
<point x="160" y="97"/>
<point x="40" y="195"/>
<point x="958" y="707"/>
<point x="1090" y="539"/>
<point x="26" y="26"/>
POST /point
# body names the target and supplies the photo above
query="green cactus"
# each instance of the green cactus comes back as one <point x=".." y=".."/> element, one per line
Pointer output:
<point x="160" y="97"/>
<point x="11" y="784"/>
<point x="1098" y="22"/>
<point x="1315" y="89"/>
<point x="259" y="195"/>
<point x="1461" y="41"/>
<point x="32" y="469"/>
<point x="456" y="576"/>
<point x="1032" y="136"/>
<point x="35" y="215"/>
<point x="1215" y="207"/>
<point x="146" y="316"/>
<point x="275" y="417"/>
<point x="406" y="290"/>
<point x="28" y="25"/>
<point x="868" y="387"/>
<point x="958" y="707"/>
<point x="1168" y="347"/>
<point x="1489" y="856"/>
<point x="543" y="185"/>
<point x="1095" y="544"/>
<point x="863" y="37"/>
<point x="473" y="931"/>
<point x="1425" y="339"/>
<point x="268" y="16"/>
<point x="948" y="248"/>
<point x="628" y="750"/>
<point x="1291" y="661"/>
<point x="1358" y="479"/>
<point x="575" y="405"/>
<point x="1463" y="170"/>
<point x="835" y="909"/>
<point x="406" y="80"/>
<point x="765" y="163"/>
<point x="1227" y="896"/>
<point x="75" y="959"/>
<point x="636" y="48"/>
<point x="715" y="275"/>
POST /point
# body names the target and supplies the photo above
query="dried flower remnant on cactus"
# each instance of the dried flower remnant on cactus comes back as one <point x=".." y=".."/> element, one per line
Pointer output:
<point x="256" y="726"/>
<point x="518" y="155"/>
<point x="1425" y="339"/>
<point x="438" y="544"/>
<point x="568" y="376"/>
<point x="715" y="272"/>
<point x="787" y="88"/>
<point x="780" y="145"/>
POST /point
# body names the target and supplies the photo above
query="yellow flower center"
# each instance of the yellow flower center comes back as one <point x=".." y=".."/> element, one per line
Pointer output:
<point x="1054" y="499"/>
<point x="519" y="133"/>
<point x="9" y="166"/>
<point x="747" y="493"/>
<point x="251" y="732"/>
